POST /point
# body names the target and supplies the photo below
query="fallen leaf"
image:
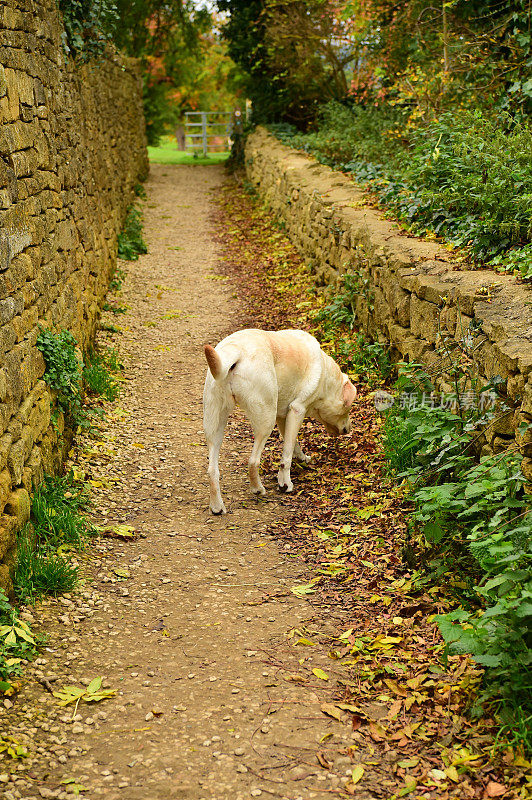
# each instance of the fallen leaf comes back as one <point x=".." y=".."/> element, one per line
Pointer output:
<point x="452" y="774"/>
<point x="320" y="673"/>
<point x="332" y="711"/>
<point x="303" y="589"/>
<point x="356" y="773"/>
<point x="323" y="760"/>
<point x="494" y="789"/>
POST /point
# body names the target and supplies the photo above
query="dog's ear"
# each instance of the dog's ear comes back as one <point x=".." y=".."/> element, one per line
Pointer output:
<point x="349" y="393"/>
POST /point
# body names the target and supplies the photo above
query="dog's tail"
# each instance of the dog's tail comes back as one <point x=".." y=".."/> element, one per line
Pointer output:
<point x="220" y="363"/>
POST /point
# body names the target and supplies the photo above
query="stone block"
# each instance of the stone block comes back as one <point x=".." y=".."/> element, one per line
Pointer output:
<point x="526" y="469"/>
<point x="15" y="461"/>
<point x="424" y="319"/>
<point x="5" y="446"/>
<point x="18" y="506"/>
<point x="5" y="487"/>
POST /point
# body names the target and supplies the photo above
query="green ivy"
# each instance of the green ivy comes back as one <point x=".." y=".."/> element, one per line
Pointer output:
<point x="89" y="26"/>
<point x="63" y="370"/>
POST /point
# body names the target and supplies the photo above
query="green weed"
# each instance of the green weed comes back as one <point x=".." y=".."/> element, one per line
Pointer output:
<point x="56" y="513"/>
<point x="99" y="374"/>
<point x="130" y="241"/>
<point x="337" y="320"/>
<point x="117" y="279"/>
<point x="17" y="643"/>
<point x="41" y="571"/>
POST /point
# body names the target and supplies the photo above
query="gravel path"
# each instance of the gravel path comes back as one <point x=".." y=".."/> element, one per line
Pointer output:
<point x="192" y="630"/>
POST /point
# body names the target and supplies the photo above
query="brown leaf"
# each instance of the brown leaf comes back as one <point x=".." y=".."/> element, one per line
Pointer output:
<point x="377" y="732"/>
<point x="394" y="709"/>
<point x="395" y="687"/>
<point x="356" y="722"/>
<point x="323" y="760"/>
<point x="494" y="789"/>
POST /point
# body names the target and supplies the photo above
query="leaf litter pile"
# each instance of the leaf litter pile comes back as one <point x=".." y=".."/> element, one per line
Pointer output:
<point x="389" y="680"/>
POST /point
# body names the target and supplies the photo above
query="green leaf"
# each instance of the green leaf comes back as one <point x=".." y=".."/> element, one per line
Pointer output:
<point x="94" y="685"/>
<point x="433" y="532"/>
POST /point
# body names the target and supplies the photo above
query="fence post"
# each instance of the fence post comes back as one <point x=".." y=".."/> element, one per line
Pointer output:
<point x="204" y="133"/>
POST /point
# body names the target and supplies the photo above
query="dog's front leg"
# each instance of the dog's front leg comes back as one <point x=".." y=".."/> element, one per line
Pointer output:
<point x="294" y="418"/>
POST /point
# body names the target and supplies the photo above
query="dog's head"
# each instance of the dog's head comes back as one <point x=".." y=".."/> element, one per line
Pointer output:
<point x="333" y="410"/>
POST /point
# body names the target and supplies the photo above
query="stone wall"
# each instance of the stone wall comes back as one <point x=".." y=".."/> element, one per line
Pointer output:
<point x="413" y="294"/>
<point x="72" y="147"/>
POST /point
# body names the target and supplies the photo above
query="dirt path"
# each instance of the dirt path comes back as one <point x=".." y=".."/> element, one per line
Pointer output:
<point x="191" y="632"/>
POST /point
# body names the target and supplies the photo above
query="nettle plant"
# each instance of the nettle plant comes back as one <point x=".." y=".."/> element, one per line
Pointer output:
<point x="471" y="521"/>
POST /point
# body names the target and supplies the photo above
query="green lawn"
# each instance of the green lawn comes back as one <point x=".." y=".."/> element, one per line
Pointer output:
<point x="167" y="153"/>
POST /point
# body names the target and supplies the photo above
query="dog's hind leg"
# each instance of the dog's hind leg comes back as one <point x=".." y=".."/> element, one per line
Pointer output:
<point x="216" y="410"/>
<point x="298" y="452"/>
<point x="262" y="424"/>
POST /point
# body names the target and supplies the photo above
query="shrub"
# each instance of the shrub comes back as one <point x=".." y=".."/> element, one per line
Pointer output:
<point x="465" y="176"/>
<point x="89" y="26"/>
<point x="476" y="525"/>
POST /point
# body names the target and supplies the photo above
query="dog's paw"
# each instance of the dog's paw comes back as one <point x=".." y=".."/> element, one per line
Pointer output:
<point x="286" y="487"/>
<point x="258" y="490"/>
<point x="217" y="511"/>
<point x="304" y="459"/>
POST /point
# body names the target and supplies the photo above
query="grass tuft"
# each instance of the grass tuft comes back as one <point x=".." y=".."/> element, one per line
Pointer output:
<point x="99" y="374"/>
<point x="40" y="571"/>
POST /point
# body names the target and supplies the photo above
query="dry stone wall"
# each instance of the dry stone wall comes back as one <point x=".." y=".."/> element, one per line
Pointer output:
<point x="412" y="294"/>
<point x="72" y="147"/>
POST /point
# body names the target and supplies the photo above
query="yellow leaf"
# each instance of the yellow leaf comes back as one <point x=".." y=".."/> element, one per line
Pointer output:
<point x="332" y="711"/>
<point x="303" y="589"/>
<point x="319" y="673"/>
<point x="452" y="773"/>
<point x="408" y="762"/>
<point x="357" y="773"/>
<point x="395" y="687"/>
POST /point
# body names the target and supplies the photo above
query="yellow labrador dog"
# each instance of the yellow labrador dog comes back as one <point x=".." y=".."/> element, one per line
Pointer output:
<point x="274" y="376"/>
